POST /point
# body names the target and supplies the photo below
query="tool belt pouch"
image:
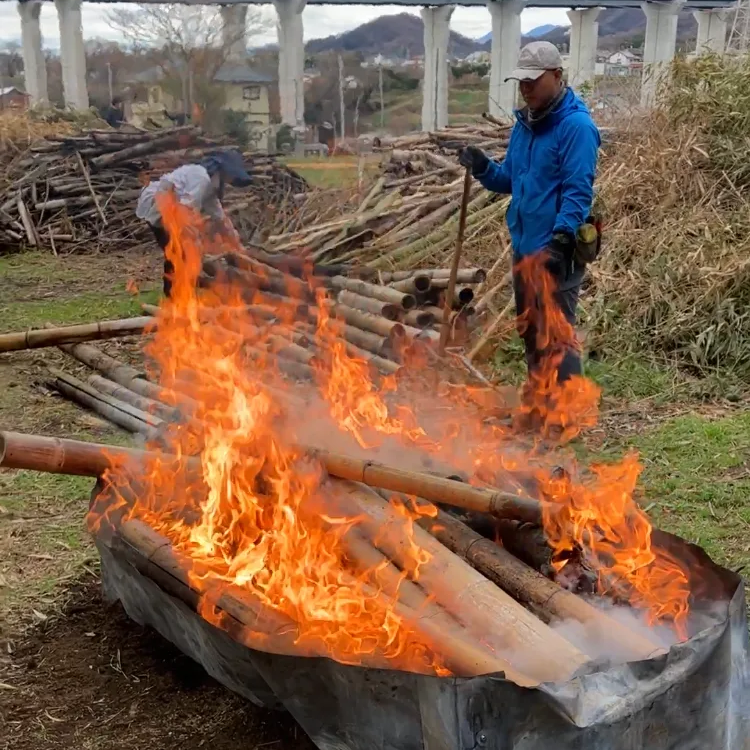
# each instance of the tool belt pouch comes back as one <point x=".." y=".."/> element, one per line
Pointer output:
<point x="588" y="241"/>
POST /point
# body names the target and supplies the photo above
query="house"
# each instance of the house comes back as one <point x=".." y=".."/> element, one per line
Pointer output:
<point x="13" y="98"/>
<point x="624" y="62"/>
<point x="245" y="91"/>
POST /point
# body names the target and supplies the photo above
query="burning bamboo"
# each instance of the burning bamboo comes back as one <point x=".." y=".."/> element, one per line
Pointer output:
<point x="435" y="489"/>
<point x="543" y="597"/>
<point x="145" y="404"/>
<point x="104" y="329"/>
<point x="530" y="647"/>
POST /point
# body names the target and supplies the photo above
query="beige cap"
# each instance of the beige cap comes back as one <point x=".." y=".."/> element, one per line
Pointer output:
<point x="535" y="59"/>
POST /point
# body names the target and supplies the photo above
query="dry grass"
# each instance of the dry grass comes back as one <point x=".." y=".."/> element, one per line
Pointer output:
<point x="675" y="275"/>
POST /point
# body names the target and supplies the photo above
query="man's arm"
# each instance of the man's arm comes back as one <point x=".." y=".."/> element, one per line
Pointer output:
<point x="497" y="176"/>
<point x="579" y="150"/>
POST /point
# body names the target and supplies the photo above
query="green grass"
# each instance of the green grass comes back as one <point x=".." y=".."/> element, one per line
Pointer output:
<point x="43" y="541"/>
<point x="83" y="308"/>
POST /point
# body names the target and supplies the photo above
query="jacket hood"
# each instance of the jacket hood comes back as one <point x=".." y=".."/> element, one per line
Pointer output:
<point x="570" y="103"/>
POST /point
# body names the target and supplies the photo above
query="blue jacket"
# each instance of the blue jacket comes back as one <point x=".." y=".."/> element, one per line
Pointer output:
<point x="549" y="172"/>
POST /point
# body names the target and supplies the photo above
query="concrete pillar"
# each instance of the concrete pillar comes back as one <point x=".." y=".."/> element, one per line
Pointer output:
<point x="660" y="45"/>
<point x="506" y="44"/>
<point x="291" y="61"/>
<point x="437" y="29"/>
<point x="234" y="37"/>
<point x="584" y="34"/>
<point x="72" y="54"/>
<point x="34" y="64"/>
<point x="712" y="30"/>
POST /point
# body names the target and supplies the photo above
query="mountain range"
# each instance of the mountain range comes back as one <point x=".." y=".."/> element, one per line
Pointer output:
<point x="401" y="35"/>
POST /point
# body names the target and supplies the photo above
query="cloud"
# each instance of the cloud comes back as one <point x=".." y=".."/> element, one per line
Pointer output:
<point x="319" y="20"/>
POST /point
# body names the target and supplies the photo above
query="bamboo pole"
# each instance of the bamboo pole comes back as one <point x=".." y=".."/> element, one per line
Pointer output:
<point x="64" y="456"/>
<point x="435" y="489"/>
<point x="387" y="310"/>
<point x="115" y="411"/>
<point x="413" y="285"/>
<point x="270" y="630"/>
<point x="384" y="293"/>
<point x="543" y="597"/>
<point x="532" y="649"/>
<point x="104" y="329"/>
<point x="419" y="318"/>
<point x="464" y="276"/>
<point x="148" y="405"/>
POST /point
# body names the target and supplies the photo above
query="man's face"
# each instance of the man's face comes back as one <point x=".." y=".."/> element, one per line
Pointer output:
<point x="538" y="94"/>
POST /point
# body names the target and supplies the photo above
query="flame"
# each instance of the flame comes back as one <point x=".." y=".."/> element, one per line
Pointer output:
<point x="598" y="514"/>
<point x="131" y="287"/>
<point x="234" y="493"/>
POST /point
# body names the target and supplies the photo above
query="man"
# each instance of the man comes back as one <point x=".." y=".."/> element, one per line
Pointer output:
<point x="200" y="186"/>
<point x="115" y="113"/>
<point x="549" y="172"/>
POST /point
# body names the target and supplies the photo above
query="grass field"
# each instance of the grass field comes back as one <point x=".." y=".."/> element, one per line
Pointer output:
<point x="696" y="482"/>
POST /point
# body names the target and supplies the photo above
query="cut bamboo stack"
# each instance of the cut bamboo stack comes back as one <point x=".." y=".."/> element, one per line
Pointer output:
<point x="72" y="191"/>
<point x="409" y="216"/>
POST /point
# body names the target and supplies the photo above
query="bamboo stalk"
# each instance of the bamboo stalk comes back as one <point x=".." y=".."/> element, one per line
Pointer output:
<point x="118" y="412"/>
<point x="419" y="318"/>
<point x="435" y="489"/>
<point x="120" y="392"/>
<point x="417" y="284"/>
<point x="543" y="597"/>
<point x="64" y="456"/>
<point x="387" y="310"/>
<point x="104" y="329"/>
<point x="391" y="329"/>
<point x="384" y="293"/>
<point x="533" y="650"/>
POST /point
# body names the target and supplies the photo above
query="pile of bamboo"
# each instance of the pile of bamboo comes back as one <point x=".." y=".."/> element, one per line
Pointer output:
<point x="75" y="191"/>
<point x="409" y="216"/>
<point x="474" y="604"/>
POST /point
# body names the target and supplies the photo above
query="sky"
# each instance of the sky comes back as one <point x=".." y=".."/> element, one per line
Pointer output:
<point x="319" y="21"/>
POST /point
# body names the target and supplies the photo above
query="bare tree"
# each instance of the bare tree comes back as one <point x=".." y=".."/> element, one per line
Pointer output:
<point x="191" y="39"/>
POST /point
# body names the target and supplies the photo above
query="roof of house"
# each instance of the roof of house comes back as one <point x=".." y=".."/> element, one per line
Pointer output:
<point x="227" y="73"/>
<point x="241" y="73"/>
<point x="10" y="90"/>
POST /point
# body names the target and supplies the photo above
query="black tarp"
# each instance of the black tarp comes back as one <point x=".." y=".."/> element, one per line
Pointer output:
<point x="696" y="697"/>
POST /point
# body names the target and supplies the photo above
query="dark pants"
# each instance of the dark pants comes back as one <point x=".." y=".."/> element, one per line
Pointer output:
<point x="531" y="319"/>
<point x="162" y="237"/>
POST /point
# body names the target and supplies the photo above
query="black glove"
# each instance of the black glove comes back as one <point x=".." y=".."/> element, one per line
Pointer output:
<point x="473" y="158"/>
<point x="560" y="252"/>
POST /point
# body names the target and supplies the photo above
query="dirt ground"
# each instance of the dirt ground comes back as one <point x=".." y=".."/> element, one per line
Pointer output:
<point x="91" y="679"/>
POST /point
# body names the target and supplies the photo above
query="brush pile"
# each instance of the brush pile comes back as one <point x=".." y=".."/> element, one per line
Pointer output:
<point x="674" y="278"/>
<point x="80" y="190"/>
<point x="409" y="217"/>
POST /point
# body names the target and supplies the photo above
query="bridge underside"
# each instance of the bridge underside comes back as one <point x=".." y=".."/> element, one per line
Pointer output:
<point x="659" y="46"/>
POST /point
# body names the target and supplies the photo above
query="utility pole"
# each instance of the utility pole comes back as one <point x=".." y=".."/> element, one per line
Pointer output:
<point x="382" y="104"/>
<point x="341" y="97"/>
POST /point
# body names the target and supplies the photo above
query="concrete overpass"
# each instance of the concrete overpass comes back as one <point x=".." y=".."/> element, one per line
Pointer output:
<point x="659" y="47"/>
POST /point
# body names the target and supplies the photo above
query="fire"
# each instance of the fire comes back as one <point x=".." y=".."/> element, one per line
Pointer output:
<point x="257" y="521"/>
<point x="251" y="510"/>
<point x="599" y="515"/>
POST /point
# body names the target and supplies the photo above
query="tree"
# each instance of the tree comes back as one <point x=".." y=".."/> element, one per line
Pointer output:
<point x="191" y="40"/>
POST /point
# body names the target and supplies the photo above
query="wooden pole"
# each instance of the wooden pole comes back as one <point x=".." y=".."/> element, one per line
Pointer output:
<point x="543" y="597"/>
<point x="448" y="305"/>
<point x="104" y="329"/>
